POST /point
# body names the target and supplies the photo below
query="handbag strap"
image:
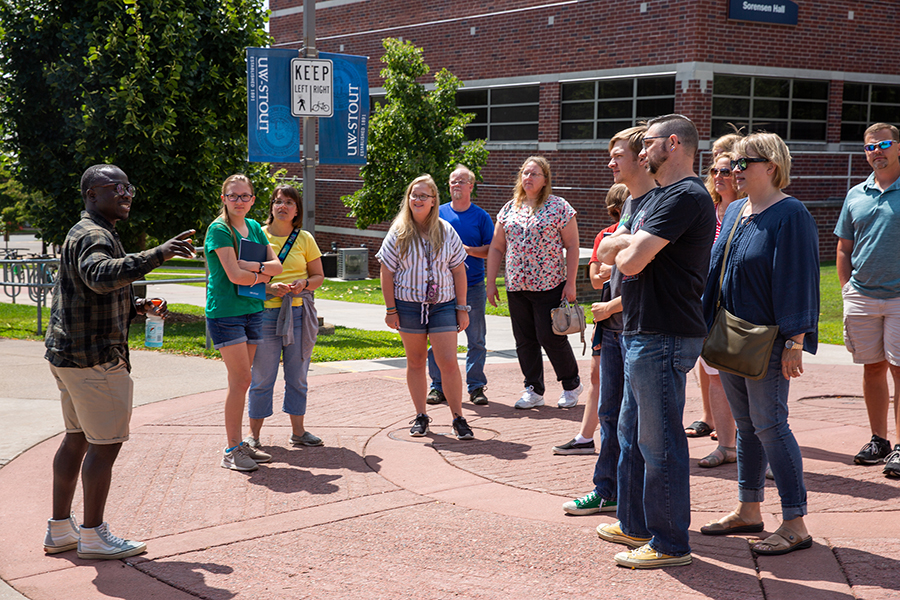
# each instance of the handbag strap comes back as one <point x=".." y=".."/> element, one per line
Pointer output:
<point x="286" y="249"/>
<point x="725" y="254"/>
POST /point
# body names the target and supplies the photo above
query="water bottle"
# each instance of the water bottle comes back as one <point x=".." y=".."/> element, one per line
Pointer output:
<point x="153" y="332"/>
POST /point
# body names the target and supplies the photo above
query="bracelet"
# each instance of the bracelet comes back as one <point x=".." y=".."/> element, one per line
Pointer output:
<point x="391" y="310"/>
<point x="255" y="278"/>
<point x="464" y="307"/>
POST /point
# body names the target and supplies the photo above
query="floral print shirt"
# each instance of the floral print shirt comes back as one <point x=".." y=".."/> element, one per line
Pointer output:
<point x="534" y="246"/>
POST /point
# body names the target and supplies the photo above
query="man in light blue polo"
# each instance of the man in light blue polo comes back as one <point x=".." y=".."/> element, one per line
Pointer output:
<point x="868" y="267"/>
<point x="476" y="230"/>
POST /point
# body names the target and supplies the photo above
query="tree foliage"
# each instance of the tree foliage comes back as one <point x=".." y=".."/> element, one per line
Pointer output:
<point x="156" y="87"/>
<point x="414" y="132"/>
<point x="15" y="201"/>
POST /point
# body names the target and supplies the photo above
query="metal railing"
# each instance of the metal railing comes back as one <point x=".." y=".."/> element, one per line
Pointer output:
<point x="36" y="276"/>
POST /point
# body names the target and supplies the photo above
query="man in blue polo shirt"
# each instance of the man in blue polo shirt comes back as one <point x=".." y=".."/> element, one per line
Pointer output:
<point x="869" y="271"/>
<point x="476" y="230"/>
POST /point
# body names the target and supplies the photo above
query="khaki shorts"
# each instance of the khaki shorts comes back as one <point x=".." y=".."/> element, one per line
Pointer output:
<point x="871" y="327"/>
<point x="96" y="401"/>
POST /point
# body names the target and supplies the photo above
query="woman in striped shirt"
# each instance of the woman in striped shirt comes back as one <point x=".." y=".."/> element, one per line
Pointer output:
<point x="423" y="279"/>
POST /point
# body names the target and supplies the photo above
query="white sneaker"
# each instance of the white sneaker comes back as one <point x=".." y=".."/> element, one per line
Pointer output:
<point x="98" y="542"/>
<point x="569" y="398"/>
<point x="529" y="399"/>
<point x="61" y="535"/>
<point x="239" y="459"/>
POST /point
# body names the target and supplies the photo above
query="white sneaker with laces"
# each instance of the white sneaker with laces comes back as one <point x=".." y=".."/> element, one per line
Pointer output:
<point x="529" y="399"/>
<point x="569" y="398"/>
<point x="98" y="542"/>
<point x="239" y="459"/>
<point x="61" y="535"/>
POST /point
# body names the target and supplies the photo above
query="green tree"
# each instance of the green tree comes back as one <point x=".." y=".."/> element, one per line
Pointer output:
<point x="15" y="201"/>
<point x="414" y="132"/>
<point x="156" y="87"/>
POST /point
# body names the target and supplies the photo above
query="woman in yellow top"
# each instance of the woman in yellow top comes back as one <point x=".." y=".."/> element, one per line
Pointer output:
<point x="287" y="330"/>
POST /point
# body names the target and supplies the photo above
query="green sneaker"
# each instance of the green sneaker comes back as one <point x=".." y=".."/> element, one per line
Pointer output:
<point x="435" y="397"/>
<point x="589" y="504"/>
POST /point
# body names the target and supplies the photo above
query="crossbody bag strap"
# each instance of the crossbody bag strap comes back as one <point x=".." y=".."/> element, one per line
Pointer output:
<point x="725" y="254"/>
<point x="286" y="249"/>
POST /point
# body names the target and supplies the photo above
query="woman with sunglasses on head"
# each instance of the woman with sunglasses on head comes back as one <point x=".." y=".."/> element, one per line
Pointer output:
<point x="289" y="321"/>
<point x="771" y="278"/>
<point x="532" y="231"/>
<point x="720" y="184"/>
<point x="234" y="321"/>
<point x="423" y="279"/>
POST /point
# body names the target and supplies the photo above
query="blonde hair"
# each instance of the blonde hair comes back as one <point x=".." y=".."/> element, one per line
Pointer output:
<point x="633" y="137"/>
<point x="223" y="213"/>
<point x="895" y="133"/>
<point x="519" y="191"/>
<point x="771" y="147"/>
<point x="711" y="180"/>
<point x="615" y="198"/>
<point x="725" y="144"/>
<point x="404" y="226"/>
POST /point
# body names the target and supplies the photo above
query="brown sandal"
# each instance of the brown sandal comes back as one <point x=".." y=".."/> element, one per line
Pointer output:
<point x="719" y="456"/>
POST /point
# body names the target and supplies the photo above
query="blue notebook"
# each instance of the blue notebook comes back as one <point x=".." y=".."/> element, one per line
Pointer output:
<point x="258" y="253"/>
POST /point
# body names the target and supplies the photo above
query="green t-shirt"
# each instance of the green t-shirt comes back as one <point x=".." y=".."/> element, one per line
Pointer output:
<point x="222" y="299"/>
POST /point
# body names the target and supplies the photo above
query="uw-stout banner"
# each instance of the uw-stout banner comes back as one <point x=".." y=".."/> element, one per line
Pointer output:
<point x="342" y="138"/>
<point x="273" y="134"/>
<point x="780" y="12"/>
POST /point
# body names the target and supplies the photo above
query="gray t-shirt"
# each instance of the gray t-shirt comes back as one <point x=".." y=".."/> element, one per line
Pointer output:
<point x="631" y="206"/>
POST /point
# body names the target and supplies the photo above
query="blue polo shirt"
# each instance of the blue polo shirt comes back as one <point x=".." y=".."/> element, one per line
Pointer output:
<point x="475" y="229"/>
<point x="871" y="218"/>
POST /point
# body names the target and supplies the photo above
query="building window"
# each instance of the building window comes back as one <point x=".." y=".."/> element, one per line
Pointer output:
<point x="795" y="109"/>
<point x="597" y="110"/>
<point x="501" y="114"/>
<point x="865" y="104"/>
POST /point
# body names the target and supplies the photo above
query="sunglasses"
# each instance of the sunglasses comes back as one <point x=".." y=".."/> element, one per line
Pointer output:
<point x="884" y="145"/>
<point x="121" y="188"/>
<point x="726" y="173"/>
<point x="742" y="163"/>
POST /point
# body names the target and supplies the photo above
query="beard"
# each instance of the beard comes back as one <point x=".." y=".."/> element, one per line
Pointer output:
<point x="655" y="162"/>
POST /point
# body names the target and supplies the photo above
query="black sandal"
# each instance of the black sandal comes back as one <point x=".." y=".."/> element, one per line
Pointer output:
<point x="697" y="429"/>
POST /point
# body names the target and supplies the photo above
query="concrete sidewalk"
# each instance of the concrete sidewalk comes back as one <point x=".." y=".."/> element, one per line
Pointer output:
<point x="377" y="514"/>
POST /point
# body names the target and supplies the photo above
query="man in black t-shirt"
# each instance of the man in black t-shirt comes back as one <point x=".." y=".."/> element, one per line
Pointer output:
<point x="664" y="264"/>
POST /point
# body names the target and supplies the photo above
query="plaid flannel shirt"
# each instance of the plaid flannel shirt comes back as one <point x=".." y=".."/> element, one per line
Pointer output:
<point x="93" y="301"/>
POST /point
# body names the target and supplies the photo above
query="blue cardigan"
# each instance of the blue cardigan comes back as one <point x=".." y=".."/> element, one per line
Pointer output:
<point x="772" y="275"/>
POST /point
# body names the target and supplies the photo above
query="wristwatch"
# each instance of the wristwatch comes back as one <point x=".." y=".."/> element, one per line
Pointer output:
<point x="790" y="344"/>
<point x="464" y="307"/>
<point x="262" y="267"/>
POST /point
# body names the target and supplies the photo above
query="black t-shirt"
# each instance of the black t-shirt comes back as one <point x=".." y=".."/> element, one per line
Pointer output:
<point x="664" y="298"/>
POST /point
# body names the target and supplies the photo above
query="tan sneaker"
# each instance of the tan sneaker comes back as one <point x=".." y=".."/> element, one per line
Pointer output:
<point x="238" y="459"/>
<point x="646" y="557"/>
<point x="612" y="532"/>
<point x="254" y="450"/>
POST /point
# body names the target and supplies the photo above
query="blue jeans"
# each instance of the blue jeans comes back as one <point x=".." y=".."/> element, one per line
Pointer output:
<point x="763" y="435"/>
<point x="476" y="296"/>
<point x="654" y="472"/>
<point x="612" y="386"/>
<point x="265" y="368"/>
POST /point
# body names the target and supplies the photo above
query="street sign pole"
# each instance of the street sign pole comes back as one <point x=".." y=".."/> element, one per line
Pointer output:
<point x="309" y="124"/>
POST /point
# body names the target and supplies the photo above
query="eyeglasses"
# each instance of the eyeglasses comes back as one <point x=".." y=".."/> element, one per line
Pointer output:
<point x="459" y="182"/>
<point x="284" y="202"/>
<point x="421" y="197"/>
<point x="121" y="188"/>
<point x="884" y="145"/>
<point x="236" y="197"/>
<point x="742" y="163"/>
<point x="652" y="137"/>
<point x="726" y="173"/>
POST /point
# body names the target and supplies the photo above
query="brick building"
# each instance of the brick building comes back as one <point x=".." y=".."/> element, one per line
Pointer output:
<point x="557" y="78"/>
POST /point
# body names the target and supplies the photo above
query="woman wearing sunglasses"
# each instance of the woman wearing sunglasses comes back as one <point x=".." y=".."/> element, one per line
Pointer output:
<point x="771" y="278"/>
<point x="423" y="279"/>
<point x="234" y="321"/>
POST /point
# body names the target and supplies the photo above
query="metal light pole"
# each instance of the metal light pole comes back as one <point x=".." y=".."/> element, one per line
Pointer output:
<point x="309" y="124"/>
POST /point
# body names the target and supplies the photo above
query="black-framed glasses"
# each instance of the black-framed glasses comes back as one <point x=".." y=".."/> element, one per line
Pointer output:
<point x="652" y="137"/>
<point x="726" y="172"/>
<point x="421" y="197"/>
<point x="884" y="145"/>
<point x="121" y="188"/>
<point x="236" y="197"/>
<point x="742" y="163"/>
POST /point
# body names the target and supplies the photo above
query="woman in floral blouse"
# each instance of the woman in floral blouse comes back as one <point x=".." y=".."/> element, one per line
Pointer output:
<point x="532" y="230"/>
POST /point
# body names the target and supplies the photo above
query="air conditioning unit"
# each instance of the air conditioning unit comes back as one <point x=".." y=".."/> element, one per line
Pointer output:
<point x="353" y="263"/>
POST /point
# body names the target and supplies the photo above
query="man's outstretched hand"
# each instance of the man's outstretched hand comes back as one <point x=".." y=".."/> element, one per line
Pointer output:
<point x="181" y="245"/>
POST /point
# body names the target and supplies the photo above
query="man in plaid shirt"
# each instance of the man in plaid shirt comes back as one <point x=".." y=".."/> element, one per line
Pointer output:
<point x="87" y="346"/>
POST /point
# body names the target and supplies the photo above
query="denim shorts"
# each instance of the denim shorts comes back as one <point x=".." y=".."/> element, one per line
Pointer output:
<point x="228" y="331"/>
<point x="416" y="317"/>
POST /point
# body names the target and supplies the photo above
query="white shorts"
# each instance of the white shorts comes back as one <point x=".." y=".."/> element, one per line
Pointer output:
<point x="871" y="327"/>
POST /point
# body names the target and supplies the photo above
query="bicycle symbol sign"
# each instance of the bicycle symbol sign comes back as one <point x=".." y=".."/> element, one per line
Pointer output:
<point x="312" y="89"/>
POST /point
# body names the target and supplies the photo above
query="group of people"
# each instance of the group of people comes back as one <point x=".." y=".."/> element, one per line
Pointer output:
<point x="680" y="251"/>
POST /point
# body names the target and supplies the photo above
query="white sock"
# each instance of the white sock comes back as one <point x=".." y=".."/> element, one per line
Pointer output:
<point x="580" y="439"/>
